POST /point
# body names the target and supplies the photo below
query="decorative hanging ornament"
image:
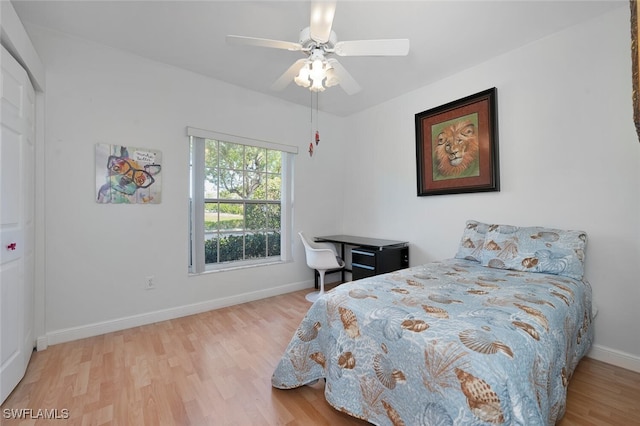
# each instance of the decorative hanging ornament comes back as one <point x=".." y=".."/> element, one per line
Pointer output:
<point x="311" y="149"/>
<point x="317" y="137"/>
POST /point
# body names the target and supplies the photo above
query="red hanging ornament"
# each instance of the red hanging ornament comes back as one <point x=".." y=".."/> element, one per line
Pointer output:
<point x="311" y="149"/>
<point x="317" y="137"/>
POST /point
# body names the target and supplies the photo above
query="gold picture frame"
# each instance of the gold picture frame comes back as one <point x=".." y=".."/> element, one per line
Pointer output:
<point x="457" y="146"/>
<point x="634" y="62"/>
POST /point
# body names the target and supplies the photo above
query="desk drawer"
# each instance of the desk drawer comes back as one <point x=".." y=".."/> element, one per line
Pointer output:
<point x="359" y="271"/>
<point x="367" y="262"/>
<point x="363" y="257"/>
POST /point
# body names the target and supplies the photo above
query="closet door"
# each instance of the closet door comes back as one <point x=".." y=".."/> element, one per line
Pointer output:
<point x="17" y="238"/>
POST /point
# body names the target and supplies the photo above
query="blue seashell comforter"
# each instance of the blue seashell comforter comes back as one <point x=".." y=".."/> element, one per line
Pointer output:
<point x="446" y="343"/>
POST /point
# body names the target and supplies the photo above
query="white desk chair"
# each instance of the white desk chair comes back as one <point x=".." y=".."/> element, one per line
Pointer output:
<point x="322" y="257"/>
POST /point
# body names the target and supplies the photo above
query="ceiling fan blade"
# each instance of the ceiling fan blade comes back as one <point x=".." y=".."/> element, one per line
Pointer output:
<point x="347" y="82"/>
<point x="322" y="20"/>
<point x="236" y="40"/>
<point x="286" y="78"/>
<point x="389" y="47"/>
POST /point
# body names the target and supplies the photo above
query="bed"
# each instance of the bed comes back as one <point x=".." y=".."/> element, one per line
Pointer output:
<point x="491" y="336"/>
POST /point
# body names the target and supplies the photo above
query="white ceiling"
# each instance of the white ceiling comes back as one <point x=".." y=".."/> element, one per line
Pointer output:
<point x="446" y="37"/>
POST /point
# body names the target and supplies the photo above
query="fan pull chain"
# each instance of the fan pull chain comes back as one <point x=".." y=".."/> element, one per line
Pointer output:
<point x="315" y="135"/>
<point x="311" y="123"/>
<point x="317" y="120"/>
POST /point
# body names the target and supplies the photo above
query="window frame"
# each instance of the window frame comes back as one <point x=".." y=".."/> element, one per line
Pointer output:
<point x="197" y="201"/>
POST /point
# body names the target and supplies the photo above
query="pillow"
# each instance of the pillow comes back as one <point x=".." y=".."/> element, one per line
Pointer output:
<point x="472" y="241"/>
<point x="535" y="249"/>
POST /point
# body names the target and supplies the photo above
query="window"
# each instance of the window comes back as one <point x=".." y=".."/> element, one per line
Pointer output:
<point x="240" y="200"/>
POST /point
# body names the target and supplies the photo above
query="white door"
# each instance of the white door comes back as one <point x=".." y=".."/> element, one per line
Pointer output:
<point x="17" y="238"/>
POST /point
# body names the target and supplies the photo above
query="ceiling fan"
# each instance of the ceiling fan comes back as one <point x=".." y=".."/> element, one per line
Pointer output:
<point x="318" y="42"/>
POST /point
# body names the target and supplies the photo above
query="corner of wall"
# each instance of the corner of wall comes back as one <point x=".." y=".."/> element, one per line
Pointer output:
<point x="16" y="40"/>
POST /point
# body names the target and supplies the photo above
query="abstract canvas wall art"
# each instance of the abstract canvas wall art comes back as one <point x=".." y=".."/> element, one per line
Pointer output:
<point x="128" y="175"/>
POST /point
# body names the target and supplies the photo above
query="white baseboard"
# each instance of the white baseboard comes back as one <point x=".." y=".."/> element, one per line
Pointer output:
<point x="96" y="329"/>
<point x="615" y="357"/>
<point x="42" y="343"/>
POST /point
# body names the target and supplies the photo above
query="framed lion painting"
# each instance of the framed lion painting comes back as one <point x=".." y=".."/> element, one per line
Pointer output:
<point x="457" y="146"/>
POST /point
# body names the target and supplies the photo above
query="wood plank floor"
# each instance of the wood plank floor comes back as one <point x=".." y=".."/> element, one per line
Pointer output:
<point x="215" y="368"/>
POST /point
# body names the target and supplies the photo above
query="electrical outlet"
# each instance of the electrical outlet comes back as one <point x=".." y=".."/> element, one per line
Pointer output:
<point x="148" y="283"/>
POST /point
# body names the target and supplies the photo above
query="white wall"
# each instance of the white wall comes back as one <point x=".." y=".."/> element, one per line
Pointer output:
<point x="569" y="158"/>
<point x="98" y="255"/>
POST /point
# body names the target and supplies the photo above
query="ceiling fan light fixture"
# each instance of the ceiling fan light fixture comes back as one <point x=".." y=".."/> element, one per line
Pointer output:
<point x="317" y="70"/>
<point x="317" y="86"/>
<point x="317" y="75"/>
<point x="302" y="82"/>
<point x="332" y="78"/>
<point x="302" y="79"/>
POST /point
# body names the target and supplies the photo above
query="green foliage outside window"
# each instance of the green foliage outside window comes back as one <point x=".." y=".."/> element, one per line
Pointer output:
<point x="242" y="202"/>
<point x="256" y="246"/>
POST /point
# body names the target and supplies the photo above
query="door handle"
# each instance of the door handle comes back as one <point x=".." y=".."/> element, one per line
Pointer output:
<point x="12" y="246"/>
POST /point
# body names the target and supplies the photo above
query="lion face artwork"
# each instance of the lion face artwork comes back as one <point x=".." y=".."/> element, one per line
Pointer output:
<point x="456" y="150"/>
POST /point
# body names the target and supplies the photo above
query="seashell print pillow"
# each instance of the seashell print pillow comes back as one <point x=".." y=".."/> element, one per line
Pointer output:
<point x="535" y="249"/>
<point x="472" y="241"/>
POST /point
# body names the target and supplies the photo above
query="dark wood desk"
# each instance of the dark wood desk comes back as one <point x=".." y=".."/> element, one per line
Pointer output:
<point x="352" y="240"/>
<point x="363" y="242"/>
